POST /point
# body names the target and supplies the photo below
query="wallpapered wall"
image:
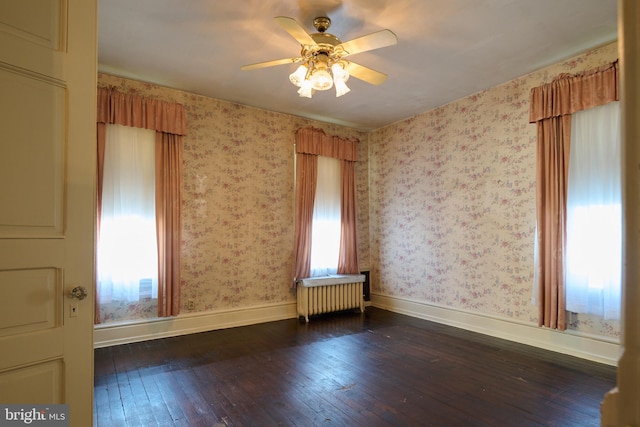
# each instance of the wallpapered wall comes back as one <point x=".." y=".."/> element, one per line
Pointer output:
<point x="237" y="237"/>
<point x="446" y="202"/>
<point x="452" y="202"/>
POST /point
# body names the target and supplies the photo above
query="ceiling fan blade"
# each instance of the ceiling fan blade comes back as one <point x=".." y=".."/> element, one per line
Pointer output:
<point x="365" y="74"/>
<point x="296" y="30"/>
<point x="270" y="63"/>
<point x="382" y="38"/>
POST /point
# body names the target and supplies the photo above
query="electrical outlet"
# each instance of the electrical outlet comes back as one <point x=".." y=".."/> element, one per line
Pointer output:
<point x="191" y="304"/>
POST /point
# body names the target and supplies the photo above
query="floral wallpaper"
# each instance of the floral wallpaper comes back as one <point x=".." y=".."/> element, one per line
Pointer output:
<point x="452" y="202"/>
<point x="446" y="202"/>
<point x="237" y="224"/>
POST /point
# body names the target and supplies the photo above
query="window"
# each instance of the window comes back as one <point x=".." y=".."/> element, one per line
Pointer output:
<point x="594" y="219"/>
<point x="326" y="223"/>
<point x="325" y="165"/>
<point x="127" y="246"/>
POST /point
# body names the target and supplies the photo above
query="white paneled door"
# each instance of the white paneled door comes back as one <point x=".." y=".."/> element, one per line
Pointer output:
<point x="47" y="187"/>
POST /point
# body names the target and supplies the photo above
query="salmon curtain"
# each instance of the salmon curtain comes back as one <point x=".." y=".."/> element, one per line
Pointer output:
<point x="168" y="121"/>
<point x="310" y="143"/>
<point x="551" y="107"/>
<point x="306" y="177"/>
<point x="168" y="221"/>
<point x="348" y="255"/>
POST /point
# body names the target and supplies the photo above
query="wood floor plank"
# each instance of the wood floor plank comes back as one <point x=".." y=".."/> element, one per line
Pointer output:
<point x="101" y="406"/>
<point x="346" y="369"/>
<point x="136" y="405"/>
<point x="201" y="411"/>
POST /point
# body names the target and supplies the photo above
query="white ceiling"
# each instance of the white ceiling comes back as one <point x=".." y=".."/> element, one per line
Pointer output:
<point x="447" y="49"/>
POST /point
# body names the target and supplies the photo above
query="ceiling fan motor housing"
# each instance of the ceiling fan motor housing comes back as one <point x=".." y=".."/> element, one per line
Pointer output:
<point x="325" y="45"/>
<point x="322" y="23"/>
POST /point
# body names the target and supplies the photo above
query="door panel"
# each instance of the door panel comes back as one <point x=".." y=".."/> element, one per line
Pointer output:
<point x="41" y="27"/>
<point x="47" y="202"/>
<point x="33" y="128"/>
<point x="42" y="381"/>
<point x="31" y="301"/>
<point x="34" y="33"/>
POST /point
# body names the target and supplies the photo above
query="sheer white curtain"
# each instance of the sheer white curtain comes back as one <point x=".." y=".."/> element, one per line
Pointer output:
<point x="127" y="246"/>
<point x="594" y="245"/>
<point x="325" y="229"/>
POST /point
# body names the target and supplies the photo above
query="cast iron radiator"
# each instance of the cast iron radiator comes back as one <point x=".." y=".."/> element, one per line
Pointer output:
<point x="336" y="292"/>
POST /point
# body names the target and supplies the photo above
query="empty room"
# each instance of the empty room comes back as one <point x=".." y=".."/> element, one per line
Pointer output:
<point x="331" y="212"/>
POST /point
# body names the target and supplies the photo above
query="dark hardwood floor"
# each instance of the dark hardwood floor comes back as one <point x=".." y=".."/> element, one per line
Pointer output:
<point x="346" y="369"/>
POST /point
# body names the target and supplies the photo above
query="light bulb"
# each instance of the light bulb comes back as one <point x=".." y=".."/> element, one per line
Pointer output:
<point x="298" y="76"/>
<point x="321" y="80"/>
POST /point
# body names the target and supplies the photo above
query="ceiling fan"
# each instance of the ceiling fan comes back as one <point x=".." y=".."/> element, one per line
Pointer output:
<point x="323" y="57"/>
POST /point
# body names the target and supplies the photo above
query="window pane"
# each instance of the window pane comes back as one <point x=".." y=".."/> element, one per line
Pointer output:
<point x="594" y="221"/>
<point x="127" y="247"/>
<point x="326" y="226"/>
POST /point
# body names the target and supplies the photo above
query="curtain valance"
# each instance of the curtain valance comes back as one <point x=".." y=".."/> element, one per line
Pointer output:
<point x="569" y="93"/>
<point x="314" y="141"/>
<point x="130" y="110"/>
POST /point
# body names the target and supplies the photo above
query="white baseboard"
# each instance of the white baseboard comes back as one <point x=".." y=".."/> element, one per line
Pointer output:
<point x="123" y="333"/>
<point x="591" y="347"/>
<point x="595" y="348"/>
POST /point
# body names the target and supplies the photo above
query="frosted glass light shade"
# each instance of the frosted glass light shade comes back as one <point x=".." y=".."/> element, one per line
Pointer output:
<point x="339" y="73"/>
<point x="306" y="89"/>
<point x="298" y="76"/>
<point x="341" y="87"/>
<point x="321" y="80"/>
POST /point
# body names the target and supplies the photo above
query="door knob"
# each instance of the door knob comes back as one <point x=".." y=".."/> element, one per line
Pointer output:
<point x="79" y="292"/>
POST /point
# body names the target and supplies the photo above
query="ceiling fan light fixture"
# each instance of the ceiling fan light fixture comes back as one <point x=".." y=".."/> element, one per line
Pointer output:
<point x="339" y="73"/>
<point x="340" y="77"/>
<point x="306" y="89"/>
<point x="321" y="79"/>
<point x="341" y="87"/>
<point x="298" y="76"/>
<point x="322" y="55"/>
